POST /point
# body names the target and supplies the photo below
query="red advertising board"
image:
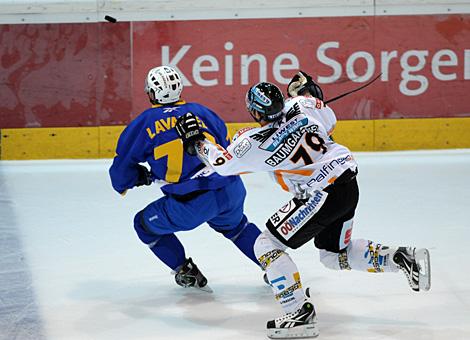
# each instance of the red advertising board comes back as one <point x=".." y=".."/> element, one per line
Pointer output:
<point x="64" y="75"/>
<point x="93" y="74"/>
<point x="424" y="61"/>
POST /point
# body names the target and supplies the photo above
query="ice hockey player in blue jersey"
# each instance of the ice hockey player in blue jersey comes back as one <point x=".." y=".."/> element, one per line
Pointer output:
<point x="190" y="198"/>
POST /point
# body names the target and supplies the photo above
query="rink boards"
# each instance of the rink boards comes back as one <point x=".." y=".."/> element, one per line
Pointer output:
<point x="70" y="82"/>
<point x="358" y="135"/>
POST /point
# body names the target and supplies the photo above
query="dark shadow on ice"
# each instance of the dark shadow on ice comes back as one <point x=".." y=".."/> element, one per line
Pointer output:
<point x="19" y="316"/>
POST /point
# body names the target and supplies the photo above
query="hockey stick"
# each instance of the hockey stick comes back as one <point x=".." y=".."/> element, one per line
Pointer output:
<point x="355" y="90"/>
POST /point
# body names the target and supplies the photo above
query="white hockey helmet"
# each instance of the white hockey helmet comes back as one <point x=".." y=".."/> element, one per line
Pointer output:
<point x="163" y="85"/>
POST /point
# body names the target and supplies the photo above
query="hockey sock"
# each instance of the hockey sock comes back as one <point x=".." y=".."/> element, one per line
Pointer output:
<point x="361" y="255"/>
<point x="244" y="237"/>
<point x="170" y="251"/>
<point x="245" y="241"/>
<point x="282" y="272"/>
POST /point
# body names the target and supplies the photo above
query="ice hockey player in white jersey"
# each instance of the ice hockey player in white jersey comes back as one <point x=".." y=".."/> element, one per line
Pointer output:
<point x="293" y="144"/>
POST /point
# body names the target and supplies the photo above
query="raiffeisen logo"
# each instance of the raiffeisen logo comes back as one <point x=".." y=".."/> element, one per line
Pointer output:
<point x="327" y="168"/>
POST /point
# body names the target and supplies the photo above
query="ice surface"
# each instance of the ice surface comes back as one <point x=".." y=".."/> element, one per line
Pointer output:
<point x="72" y="267"/>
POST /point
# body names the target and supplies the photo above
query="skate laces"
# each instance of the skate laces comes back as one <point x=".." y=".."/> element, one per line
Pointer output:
<point x="292" y="315"/>
<point x="408" y="259"/>
<point x="287" y="316"/>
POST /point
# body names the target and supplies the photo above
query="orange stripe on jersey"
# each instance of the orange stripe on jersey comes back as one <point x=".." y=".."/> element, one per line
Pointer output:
<point x="280" y="178"/>
<point x="332" y="179"/>
<point x="331" y="130"/>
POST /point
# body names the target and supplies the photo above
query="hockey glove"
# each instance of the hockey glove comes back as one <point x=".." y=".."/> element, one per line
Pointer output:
<point x="189" y="131"/>
<point x="301" y="83"/>
<point x="301" y="194"/>
<point x="144" y="176"/>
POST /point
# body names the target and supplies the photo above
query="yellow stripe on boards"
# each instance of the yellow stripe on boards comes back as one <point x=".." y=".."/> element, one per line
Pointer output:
<point x="358" y="135"/>
<point x="416" y="134"/>
<point x="49" y="143"/>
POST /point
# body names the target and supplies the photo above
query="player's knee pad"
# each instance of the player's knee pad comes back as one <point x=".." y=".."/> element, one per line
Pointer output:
<point x="144" y="234"/>
<point x="337" y="261"/>
<point x="267" y="249"/>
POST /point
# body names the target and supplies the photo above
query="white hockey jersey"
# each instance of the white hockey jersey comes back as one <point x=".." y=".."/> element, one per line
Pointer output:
<point x="297" y="151"/>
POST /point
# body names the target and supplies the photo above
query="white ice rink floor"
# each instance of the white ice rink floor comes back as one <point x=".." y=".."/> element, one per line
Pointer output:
<point x="71" y="266"/>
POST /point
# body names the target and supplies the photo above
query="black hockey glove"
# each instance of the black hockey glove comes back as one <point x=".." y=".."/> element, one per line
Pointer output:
<point x="301" y="83"/>
<point x="144" y="176"/>
<point x="189" y="131"/>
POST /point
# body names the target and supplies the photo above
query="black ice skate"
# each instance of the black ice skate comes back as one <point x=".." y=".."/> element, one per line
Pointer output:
<point x="189" y="275"/>
<point x="301" y="324"/>
<point x="415" y="263"/>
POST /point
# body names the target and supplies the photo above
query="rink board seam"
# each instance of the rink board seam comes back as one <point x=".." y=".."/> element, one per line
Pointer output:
<point x="358" y="135"/>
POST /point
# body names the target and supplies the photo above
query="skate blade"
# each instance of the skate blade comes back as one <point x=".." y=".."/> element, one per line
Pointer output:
<point x="423" y="259"/>
<point x="299" y="332"/>
<point x="206" y="289"/>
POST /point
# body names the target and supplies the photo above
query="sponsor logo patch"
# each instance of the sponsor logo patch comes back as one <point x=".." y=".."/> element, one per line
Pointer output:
<point x="288" y="145"/>
<point x="346" y="232"/>
<point x="286" y="294"/>
<point x="241" y="132"/>
<point x="327" y="168"/>
<point x="293" y="111"/>
<point x="282" y="213"/>
<point x="227" y="155"/>
<point x="282" y="133"/>
<point x="308" y="103"/>
<point x="242" y="148"/>
<point x="268" y="258"/>
<point x="302" y="215"/>
<point x="170" y="109"/>
<point x="154" y="217"/>
<point x="261" y="96"/>
<point x="263" y="136"/>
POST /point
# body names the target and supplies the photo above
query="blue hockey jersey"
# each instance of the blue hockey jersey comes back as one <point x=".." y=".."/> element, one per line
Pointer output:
<point x="152" y="138"/>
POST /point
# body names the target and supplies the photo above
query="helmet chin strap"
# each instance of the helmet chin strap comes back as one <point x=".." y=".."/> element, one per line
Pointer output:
<point x="151" y="96"/>
<point x="260" y="120"/>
